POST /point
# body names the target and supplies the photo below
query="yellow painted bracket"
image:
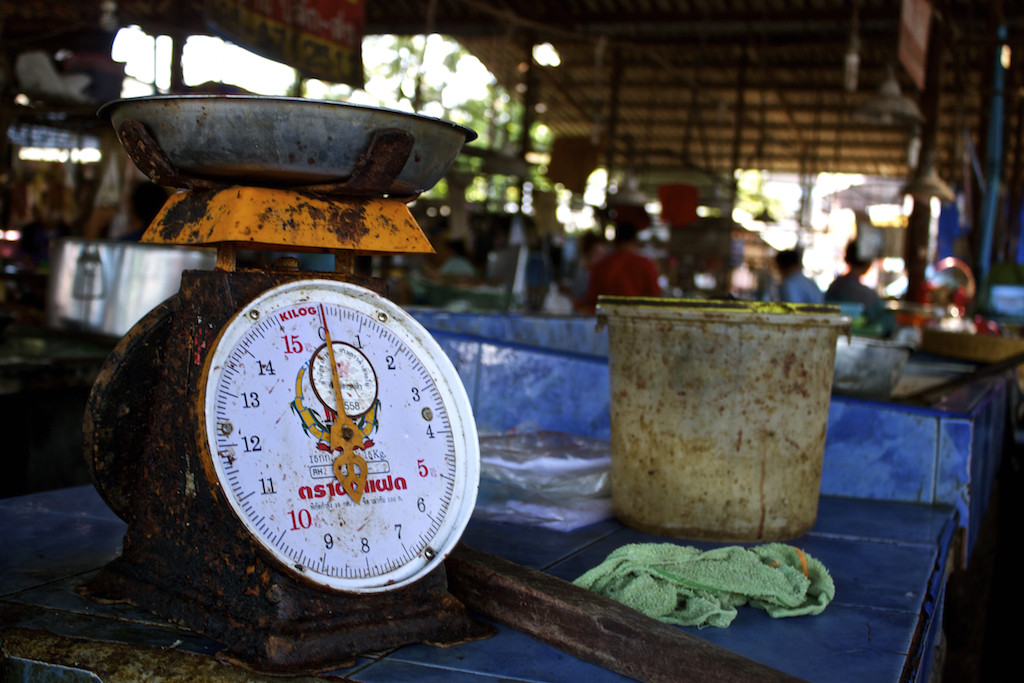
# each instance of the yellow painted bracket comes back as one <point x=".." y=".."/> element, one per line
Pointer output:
<point x="285" y="220"/>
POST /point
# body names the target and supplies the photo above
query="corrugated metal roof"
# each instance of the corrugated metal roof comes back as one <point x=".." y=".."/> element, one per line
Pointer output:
<point x="665" y="85"/>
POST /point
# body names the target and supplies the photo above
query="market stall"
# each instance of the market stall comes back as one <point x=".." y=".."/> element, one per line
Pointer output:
<point x="287" y="471"/>
<point x="890" y="546"/>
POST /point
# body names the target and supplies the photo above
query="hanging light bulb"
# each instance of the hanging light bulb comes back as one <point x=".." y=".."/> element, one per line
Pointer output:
<point x="851" y="65"/>
<point x="851" y="62"/>
<point x="108" y="15"/>
<point x="914" y="148"/>
<point x="889" y="106"/>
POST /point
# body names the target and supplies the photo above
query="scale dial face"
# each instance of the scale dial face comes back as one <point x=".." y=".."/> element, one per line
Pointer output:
<point x="279" y="439"/>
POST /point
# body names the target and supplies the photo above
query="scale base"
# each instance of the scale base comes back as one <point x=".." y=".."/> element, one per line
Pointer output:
<point x="302" y="632"/>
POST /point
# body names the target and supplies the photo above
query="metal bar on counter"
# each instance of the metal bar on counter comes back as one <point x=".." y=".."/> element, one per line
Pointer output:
<point x="590" y="626"/>
<point x="930" y="395"/>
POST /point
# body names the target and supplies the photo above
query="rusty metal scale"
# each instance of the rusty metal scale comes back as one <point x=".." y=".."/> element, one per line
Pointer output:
<point x="294" y="455"/>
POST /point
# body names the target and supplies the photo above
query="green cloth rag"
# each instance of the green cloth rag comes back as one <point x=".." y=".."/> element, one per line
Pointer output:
<point x="689" y="587"/>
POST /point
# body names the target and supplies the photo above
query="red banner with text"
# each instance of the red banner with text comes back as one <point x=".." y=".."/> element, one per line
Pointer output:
<point x="321" y="38"/>
<point x="915" y="23"/>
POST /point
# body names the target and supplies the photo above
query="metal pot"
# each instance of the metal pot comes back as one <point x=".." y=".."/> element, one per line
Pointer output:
<point x="105" y="286"/>
<point x="285" y="142"/>
<point x="868" y="367"/>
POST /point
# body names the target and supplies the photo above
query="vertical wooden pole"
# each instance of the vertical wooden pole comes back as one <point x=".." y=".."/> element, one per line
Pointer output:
<point x="177" y="79"/>
<point x="917" y="247"/>
<point x="529" y="102"/>
<point x="740" y="111"/>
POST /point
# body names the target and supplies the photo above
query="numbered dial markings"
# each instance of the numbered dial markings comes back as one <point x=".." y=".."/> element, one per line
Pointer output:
<point x="270" y="405"/>
<point x="358" y="380"/>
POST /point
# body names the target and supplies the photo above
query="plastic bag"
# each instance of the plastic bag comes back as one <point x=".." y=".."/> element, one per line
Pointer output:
<point x="540" y="478"/>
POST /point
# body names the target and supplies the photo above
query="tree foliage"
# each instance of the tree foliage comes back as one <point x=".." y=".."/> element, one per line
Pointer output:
<point x="435" y="76"/>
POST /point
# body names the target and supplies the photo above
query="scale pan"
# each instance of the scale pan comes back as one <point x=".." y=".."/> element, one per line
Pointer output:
<point x="285" y="142"/>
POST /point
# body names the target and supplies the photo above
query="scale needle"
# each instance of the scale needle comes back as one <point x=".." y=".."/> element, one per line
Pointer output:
<point x="349" y="467"/>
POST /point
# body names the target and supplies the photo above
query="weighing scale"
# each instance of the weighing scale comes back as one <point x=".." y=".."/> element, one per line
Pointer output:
<point x="293" y="453"/>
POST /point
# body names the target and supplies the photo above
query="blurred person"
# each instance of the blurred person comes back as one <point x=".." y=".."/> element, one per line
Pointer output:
<point x="453" y="260"/>
<point x="591" y="248"/>
<point x="624" y="271"/>
<point x="795" y="287"/>
<point x="448" y="266"/>
<point x="848" y="288"/>
<point x="33" y="251"/>
<point x="450" y="263"/>
<point x="146" y="201"/>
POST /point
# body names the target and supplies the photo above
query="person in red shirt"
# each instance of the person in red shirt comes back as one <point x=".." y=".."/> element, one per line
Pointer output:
<point x="623" y="272"/>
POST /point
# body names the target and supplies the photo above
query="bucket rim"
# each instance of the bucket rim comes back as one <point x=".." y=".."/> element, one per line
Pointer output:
<point x="721" y="310"/>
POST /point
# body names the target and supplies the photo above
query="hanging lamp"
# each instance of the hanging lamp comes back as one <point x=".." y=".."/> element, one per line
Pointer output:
<point x="629" y="193"/>
<point x="928" y="184"/>
<point x="889" y="106"/>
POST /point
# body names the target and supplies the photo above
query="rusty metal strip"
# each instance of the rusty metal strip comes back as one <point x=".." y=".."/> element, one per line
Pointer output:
<point x="376" y="169"/>
<point x="150" y="158"/>
<point x="590" y="626"/>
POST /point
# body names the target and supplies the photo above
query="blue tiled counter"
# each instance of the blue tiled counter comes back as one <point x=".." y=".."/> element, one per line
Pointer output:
<point x="887" y="560"/>
<point x="948" y="454"/>
<point x="904" y="488"/>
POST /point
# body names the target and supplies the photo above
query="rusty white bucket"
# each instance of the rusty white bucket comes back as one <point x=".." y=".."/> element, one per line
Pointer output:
<point x="718" y="414"/>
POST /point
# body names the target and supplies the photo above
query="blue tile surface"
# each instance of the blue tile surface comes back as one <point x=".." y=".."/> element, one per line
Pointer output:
<point x="557" y="391"/>
<point x="874" y="451"/>
<point x="842" y="644"/>
<point x="392" y="670"/>
<point x="952" y="485"/>
<point x="531" y="546"/>
<point x="923" y="665"/>
<point x="871" y="520"/>
<point x="465" y="356"/>
<point x="571" y="334"/>
<point x="875" y="575"/>
<point x="43" y="542"/>
<point x="509" y="655"/>
<point x="990" y="426"/>
<point x="881" y="555"/>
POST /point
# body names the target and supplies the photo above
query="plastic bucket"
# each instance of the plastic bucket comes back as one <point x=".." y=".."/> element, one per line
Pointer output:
<point x="718" y="415"/>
